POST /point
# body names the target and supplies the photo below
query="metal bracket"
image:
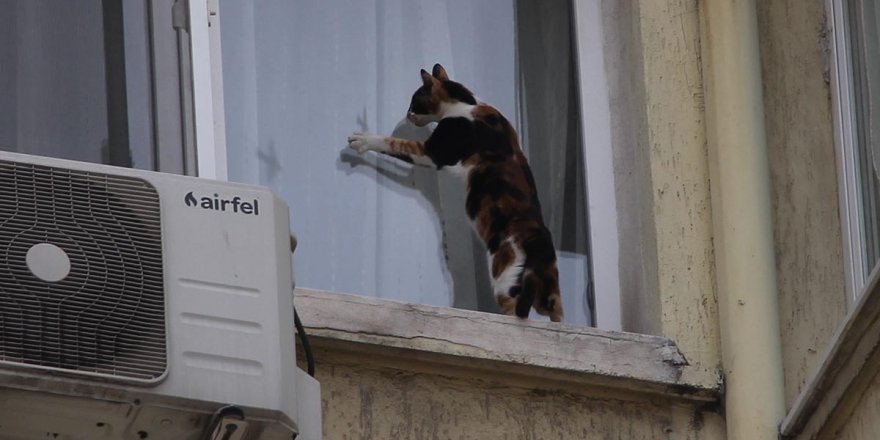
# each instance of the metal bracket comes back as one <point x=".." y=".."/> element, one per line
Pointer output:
<point x="228" y="423"/>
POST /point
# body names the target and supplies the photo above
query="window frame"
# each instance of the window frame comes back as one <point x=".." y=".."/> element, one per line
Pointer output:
<point x="599" y="169"/>
<point x="207" y="89"/>
<point x="845" y="139"/>
<point x="602" y="229"/>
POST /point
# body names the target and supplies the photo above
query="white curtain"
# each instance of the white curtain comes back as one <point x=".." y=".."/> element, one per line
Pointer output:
<point x="550" y="119"/>
<point x="53" y="82"/>
<point x="53" y="65"/>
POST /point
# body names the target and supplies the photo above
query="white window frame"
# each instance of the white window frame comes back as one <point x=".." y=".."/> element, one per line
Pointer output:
<point x="843" y="114"/>
<point x="598" y="163"/>
<point x="596" y="121"/>
<point x="207" y="89"/>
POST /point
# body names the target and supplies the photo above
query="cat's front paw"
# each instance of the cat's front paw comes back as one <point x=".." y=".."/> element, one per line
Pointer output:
<point x="363" y="142"/>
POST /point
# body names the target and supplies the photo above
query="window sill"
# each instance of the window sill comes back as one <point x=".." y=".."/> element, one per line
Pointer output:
<point x="453" y="340"/>
<point x="848" y="367"/>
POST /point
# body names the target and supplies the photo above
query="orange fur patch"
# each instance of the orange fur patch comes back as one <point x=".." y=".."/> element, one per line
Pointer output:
<point x="502" y="259"/>
<point x="406" y="146"/>
<point x="507" y="304"/>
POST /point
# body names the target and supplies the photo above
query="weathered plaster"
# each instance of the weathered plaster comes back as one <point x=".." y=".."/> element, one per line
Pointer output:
<point x="803" y="173"/>
<point x="864" y="423"/>
<point x="849" y="365"/>
<point x="439" y="338"/>
<point x="391" y="370"/>
<point x="365" y="402"/>
<point x="680" y="177"/>
<point x="661" y="173"/>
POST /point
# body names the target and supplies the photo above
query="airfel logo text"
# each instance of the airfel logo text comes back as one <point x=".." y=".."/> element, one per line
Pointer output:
<point x="216" y="203"/>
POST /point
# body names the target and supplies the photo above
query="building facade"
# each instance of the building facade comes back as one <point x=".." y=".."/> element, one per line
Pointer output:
<point x="709" y="171"/>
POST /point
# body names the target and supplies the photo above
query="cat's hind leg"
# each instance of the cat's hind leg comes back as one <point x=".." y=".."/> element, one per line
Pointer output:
<point x="506" y="302"/>
<point x="506" y="267"/>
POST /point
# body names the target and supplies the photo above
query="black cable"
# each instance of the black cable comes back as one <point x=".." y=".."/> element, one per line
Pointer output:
<point x="307" y="348"/>
<point x="303" y="337"/>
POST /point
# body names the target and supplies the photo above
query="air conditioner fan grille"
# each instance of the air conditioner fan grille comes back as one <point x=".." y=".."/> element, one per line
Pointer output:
<point x="107" y="316"/>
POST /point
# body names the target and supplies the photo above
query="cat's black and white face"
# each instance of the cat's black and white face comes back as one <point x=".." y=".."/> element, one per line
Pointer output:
<point x="436" y="94"/>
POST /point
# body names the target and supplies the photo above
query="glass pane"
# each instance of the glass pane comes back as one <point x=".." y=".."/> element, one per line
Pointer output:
<point x="865" y="49"/>
<point x="75" y="80"/>
<point x="299" y="78"/>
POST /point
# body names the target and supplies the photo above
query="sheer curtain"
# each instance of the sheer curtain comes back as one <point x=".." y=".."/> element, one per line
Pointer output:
<point x="550" y="120"/>
<point x="300" y="76"/>
<point x="72" y="87"/>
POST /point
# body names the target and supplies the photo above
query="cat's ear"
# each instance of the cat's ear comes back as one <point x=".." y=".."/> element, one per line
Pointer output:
<point x="427" y="79"/>
<point x="440" y="73"/>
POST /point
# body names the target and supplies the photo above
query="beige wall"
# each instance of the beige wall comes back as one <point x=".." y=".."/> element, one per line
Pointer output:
<point x="864" y="424"/>
<point x="366" y="401"/>
<point x="661" y="167"/>
<point x="795" y="59"/>
<point x="682" y="213"/>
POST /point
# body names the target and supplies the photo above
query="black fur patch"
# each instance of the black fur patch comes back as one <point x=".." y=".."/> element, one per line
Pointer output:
<point x="459" y="92"/>
<point x="541" y="259"/>
<point x="493" y="141"/>
<point x="538" y="247"/>
<point x="421" y="101"/>
<point x="535" y="208"/>
<point x="531" y="287"/>
<point x="451" y="142"/>
<point x="493" y="243"/>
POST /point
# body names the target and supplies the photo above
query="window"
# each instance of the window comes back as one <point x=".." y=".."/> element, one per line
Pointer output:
<point x="856" y="82"/>
<point x="91" y="80"/>
<point x="300" y="76"/>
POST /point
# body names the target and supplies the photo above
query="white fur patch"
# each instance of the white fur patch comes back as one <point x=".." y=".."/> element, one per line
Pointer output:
<point x="457" y="110"/>
<point x="509" y="277"/>
<point x="423" y="161"/>
<point x="460" y="170"/>
<point x="363" y="142"/>
<point x="421" y="120"/>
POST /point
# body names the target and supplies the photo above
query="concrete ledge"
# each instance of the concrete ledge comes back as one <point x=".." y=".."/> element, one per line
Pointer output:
<point x="497" y="344"/>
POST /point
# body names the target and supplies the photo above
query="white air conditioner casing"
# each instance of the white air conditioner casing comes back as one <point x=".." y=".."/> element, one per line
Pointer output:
<point x="221" y="252"/>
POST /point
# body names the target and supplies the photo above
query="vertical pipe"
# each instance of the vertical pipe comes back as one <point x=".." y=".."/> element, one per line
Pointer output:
<point x="743" y="228"/>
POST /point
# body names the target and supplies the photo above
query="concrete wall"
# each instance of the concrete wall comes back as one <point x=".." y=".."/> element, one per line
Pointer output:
<point x="864" y="424"/>
<point x="670" y="40"/>
<point x="797" y="106"/>
<point x="363" y="401"/>
<point x="661" y="167"/>
<point x="795" y="53"/>
<point x="392" y="370"/>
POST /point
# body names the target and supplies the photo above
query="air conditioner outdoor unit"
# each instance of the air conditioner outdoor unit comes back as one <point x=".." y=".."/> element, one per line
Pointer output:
<point x="141" y="305"/>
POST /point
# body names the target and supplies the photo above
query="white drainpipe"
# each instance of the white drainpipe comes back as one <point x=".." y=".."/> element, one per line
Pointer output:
<point x="742" y="220"/>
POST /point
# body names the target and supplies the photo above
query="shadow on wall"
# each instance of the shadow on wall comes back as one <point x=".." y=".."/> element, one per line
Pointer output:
<point x="463" y="252"/>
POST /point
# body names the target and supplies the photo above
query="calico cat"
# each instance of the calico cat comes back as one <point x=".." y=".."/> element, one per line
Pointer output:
<point x="475" y="139"/>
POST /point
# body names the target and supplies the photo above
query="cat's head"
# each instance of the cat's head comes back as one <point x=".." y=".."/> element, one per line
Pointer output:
<point x="436" y="93"/>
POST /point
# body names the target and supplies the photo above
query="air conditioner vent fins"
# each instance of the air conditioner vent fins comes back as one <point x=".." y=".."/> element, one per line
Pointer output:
<point x="106" y="316"/>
